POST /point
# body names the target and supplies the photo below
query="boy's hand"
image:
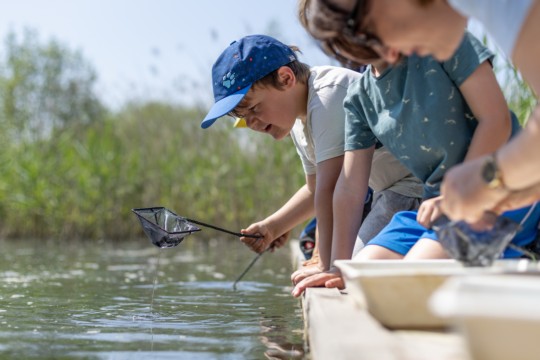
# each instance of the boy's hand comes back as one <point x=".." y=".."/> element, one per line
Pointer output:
<point x="280" y="241"/>
<point x="304" y="272"/>
<point x="267" y="237"/>
<point x="429" y="211"/>
<point x="330" y="279"/>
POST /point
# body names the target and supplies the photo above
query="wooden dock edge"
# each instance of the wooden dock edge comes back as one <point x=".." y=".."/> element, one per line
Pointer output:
<point x="336" y="328"/>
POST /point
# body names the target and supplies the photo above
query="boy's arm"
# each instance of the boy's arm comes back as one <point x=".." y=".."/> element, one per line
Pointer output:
<point x="297" y="209"/>
<point x="349" y="197"/>
<point x="469" y="199"/>
<point x="484" y="96"/>
<point x="327" y="175"/>
<point x="348" y="206"/>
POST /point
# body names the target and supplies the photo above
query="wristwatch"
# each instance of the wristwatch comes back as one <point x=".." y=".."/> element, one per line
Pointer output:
<point x="491" y="174"/>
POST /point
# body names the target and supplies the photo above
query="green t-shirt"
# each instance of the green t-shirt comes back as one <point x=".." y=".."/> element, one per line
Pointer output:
<point x="416" y="110"/>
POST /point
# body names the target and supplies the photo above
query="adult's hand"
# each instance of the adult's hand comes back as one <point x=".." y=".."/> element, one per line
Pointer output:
<point x="465" y="194"/>
<point x="518" y="199"/>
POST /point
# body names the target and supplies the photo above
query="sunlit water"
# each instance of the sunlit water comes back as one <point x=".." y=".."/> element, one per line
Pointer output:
<point x="92" y="300"/>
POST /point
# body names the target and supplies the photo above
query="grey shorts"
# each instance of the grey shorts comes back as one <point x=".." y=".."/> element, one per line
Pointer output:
<point x="385" y="204"/>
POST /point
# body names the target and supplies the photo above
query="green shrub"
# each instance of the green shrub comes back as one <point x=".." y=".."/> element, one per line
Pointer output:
<point x="83" y="181"/>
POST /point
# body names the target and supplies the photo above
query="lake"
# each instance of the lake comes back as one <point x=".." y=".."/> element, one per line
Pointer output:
<point x="93" y="300"/>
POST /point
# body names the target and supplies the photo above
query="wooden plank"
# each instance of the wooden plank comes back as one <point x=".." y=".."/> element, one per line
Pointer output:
<point x="337" y="329"/>
<point x="429" y="345"/>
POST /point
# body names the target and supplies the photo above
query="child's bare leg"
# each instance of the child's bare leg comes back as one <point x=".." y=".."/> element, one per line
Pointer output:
<point x="426" y="249"/>
<point x="374" y="252"/>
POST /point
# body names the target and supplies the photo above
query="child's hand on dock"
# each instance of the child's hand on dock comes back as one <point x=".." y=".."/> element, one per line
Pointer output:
<point x="330" y="279"/>
<point x="304" y="272"/>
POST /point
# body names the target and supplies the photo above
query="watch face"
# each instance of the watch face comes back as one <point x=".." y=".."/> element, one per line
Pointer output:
<point x="489" y="171"/>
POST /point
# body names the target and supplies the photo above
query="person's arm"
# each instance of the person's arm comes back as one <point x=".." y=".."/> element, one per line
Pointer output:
<point x="469" y="199"/>
<point x="483" y="94"/>
<point x="298" y="208"/>
<point x="526" y="55"/>
<point x="348" y="205"/>
<point x="349" y="197"/>
<point x="327" y="175"/>
<point x="517" y="199"/>
<point x="519" y="167"/>
<point x="518" y="160"/>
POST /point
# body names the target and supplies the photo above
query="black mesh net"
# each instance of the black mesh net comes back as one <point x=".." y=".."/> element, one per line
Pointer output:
<point x="164" y="228"/>
<point x="472" y="247"/>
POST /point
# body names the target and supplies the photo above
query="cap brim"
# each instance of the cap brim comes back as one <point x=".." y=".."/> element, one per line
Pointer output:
<point x="224" y="106"/>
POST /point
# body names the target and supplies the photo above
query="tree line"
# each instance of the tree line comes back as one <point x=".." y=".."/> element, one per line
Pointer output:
<point x="73" y="169"/>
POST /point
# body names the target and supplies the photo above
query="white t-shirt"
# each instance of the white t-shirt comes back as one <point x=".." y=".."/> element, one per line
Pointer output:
<point x="502" y="19"/>
<point x="322" y="136"/>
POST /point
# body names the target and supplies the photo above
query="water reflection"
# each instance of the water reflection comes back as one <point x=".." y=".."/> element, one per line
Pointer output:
<point x="93" y="300"/>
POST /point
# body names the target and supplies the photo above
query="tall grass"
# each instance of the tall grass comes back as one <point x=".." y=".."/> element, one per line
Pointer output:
<point x="518" y="94"/>
<point x="83" y="181"/>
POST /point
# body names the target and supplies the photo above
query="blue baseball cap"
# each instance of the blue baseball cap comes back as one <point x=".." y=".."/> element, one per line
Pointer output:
<point x="244" y="62"/>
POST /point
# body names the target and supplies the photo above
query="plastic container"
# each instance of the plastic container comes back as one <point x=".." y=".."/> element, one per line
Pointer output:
<point x="499" y="314"/>
<point x="396" y="292"/>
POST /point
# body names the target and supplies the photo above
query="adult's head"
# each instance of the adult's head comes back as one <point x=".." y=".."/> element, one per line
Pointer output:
<point x="422" y="27"/>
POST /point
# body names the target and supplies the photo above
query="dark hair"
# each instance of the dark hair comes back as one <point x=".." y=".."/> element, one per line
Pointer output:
<point x="326" y="23"/>
<point x="300" y="70"/>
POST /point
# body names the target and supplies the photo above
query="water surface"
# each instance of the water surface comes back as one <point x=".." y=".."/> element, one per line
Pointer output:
<point x="91" y="300"/>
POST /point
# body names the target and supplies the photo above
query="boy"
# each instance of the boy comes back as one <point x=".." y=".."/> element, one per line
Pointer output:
<point x="261" y="80"/>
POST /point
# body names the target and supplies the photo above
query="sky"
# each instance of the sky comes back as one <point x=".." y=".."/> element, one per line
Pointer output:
<point x="155" y="49"/>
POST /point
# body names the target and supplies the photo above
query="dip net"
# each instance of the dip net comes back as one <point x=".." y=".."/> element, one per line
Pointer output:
<point x="473" y="247"/>
<point x="164" y="228"/>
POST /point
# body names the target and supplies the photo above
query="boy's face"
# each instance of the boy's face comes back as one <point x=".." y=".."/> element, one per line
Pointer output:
<point x="269" y="110"/>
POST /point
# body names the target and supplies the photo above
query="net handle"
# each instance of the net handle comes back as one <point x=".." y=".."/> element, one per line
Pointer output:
<point x="250" y="265"/>
<point x="223" y="230"/>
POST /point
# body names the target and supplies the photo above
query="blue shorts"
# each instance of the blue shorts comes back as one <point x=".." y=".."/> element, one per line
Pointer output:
<point x="403" y="231"/>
